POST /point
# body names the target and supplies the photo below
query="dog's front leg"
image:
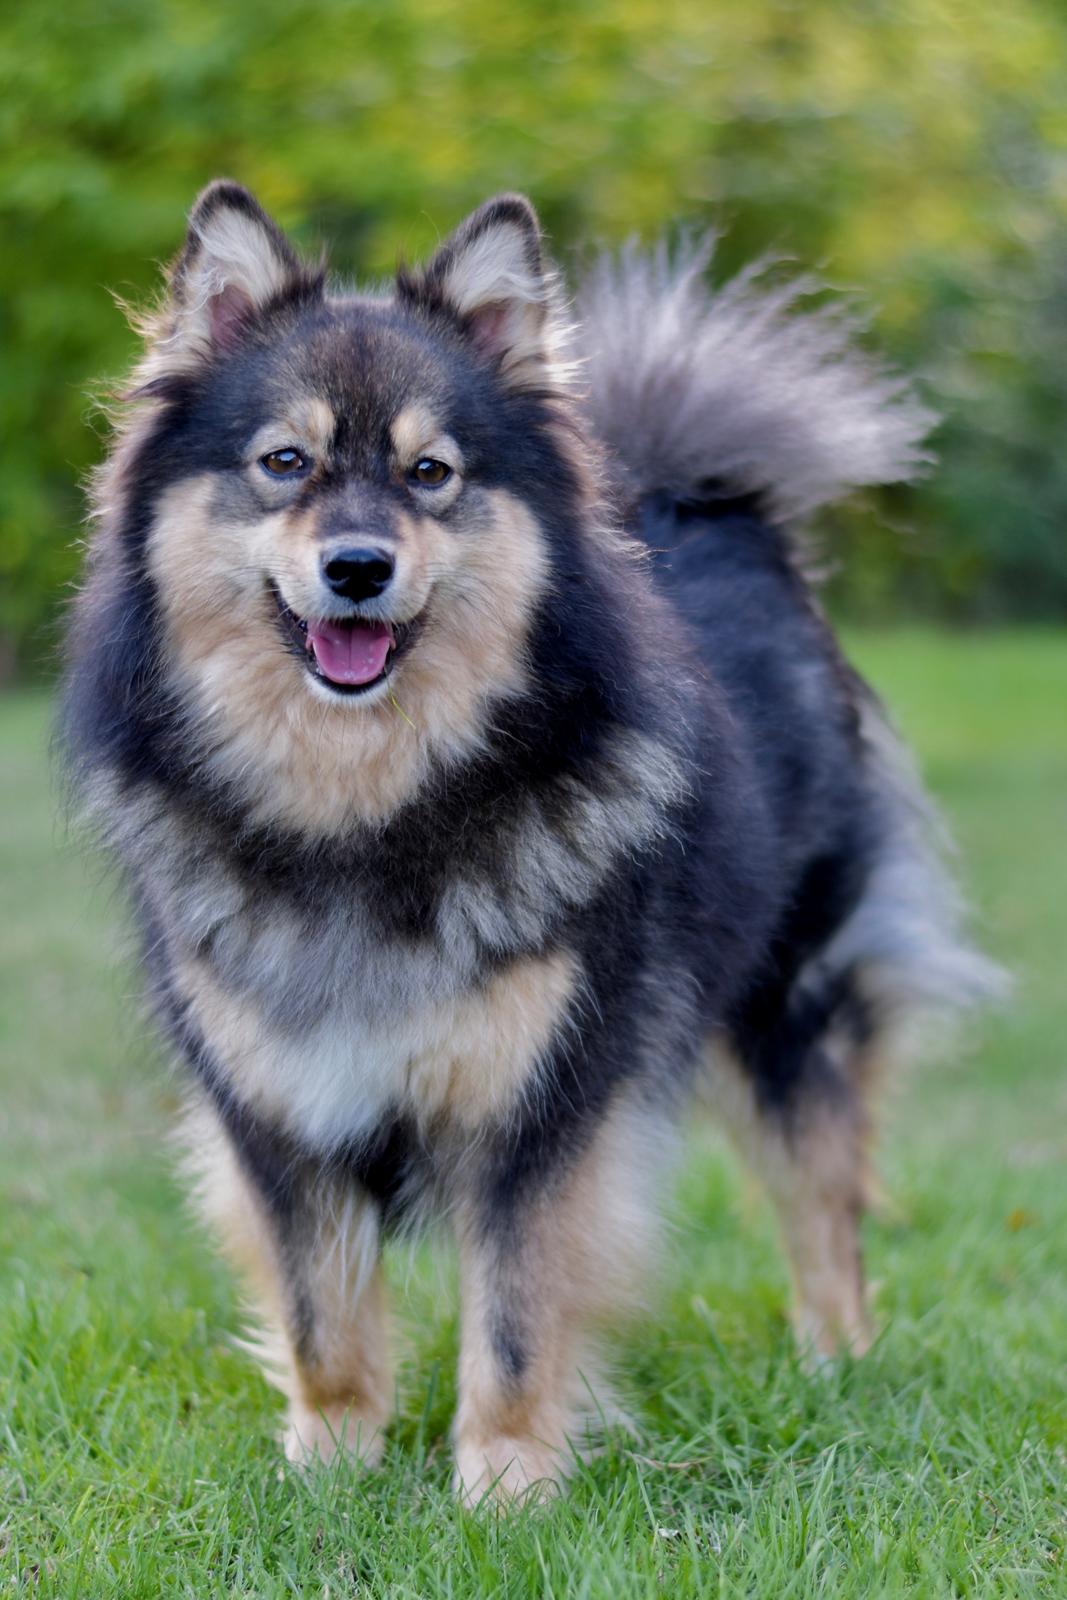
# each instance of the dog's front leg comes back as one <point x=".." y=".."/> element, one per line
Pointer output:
<point x="550" y="1256"/>
<point x="305" y="1238"/>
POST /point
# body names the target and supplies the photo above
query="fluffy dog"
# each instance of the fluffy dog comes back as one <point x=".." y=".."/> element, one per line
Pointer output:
<point x="447" y="682"/>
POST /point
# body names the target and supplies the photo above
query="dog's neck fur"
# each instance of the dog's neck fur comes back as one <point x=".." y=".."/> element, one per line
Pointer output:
<point x="565" y="778"/>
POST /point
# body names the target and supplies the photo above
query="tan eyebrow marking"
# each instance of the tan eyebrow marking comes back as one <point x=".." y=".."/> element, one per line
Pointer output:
<point x="318" y="421"/>
<point x="310" y="423"/>
<point x="412" y="429"/>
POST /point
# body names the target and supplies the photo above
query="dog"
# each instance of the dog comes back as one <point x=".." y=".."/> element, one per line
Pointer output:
<point x="449" y="685"/>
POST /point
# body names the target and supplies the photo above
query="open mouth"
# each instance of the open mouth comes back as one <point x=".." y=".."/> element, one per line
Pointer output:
<point x="348" y="654"/>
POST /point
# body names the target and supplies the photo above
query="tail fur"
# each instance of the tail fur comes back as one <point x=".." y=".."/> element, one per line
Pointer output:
<point x="737" y="385"/>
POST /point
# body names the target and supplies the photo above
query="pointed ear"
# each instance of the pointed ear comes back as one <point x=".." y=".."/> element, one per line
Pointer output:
<point x="234" y="261"/>
<point x="492" y="277"/>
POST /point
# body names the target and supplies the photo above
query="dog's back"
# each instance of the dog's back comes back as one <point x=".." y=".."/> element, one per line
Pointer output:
<point x="730" y="419"/>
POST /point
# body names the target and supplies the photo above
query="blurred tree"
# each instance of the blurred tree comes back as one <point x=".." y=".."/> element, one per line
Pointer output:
<point x="915" y="152"/>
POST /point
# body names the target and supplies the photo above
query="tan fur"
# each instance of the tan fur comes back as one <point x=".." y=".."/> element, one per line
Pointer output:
<point x="487" y="1044"/>
<point x="340" y="1393"/>
<point x="413" y="430"/>
<point x="300" y="759"/>
<point x="463" y="1062"/>
<point x="581" y="1262"/>
<point x="308" y="424"/>
<point x="814" y="1167"/>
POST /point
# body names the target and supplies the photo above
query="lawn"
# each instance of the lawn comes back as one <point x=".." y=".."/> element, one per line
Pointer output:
<point x="137" y="1444"/>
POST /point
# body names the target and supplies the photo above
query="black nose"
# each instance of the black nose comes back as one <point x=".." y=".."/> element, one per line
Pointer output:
<point x="358" y="574"/>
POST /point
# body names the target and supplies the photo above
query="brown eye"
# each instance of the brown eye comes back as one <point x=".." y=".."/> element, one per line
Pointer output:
<point x="431" y="473"/>
<point x="280" y="463"/>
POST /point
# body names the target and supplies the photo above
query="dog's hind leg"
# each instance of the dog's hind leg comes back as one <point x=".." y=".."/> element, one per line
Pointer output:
<point x="810" y="1150"/>
<point x="306" y="1242"/>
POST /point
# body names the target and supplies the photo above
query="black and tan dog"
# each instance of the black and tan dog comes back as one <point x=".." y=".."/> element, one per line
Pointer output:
<point x="447" y="683"/>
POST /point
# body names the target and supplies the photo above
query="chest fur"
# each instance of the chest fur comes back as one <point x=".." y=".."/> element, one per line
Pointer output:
<point x="331" y="988"/>
<point x="464" y="1059"/>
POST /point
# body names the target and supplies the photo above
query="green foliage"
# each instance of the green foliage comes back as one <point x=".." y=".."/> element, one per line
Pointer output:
<point x="138" y="1455"/>
<point x="914" y="152"/>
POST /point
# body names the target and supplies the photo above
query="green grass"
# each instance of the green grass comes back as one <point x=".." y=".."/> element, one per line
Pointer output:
<point x="137" y="1452"/>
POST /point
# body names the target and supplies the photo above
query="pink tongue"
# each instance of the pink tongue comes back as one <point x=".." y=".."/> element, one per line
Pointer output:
<point x="352" y="652"/>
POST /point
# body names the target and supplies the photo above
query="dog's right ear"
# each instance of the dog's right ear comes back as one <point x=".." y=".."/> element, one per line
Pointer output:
<point x="235" y="261"/>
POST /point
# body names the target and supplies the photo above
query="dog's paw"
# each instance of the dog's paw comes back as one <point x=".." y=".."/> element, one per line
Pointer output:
<point x="507" y="1472"/>
<point x="822" y="1341"/>
<point x="320" y="1434"/>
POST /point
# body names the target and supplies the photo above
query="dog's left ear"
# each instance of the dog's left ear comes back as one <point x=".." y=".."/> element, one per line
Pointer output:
<point x="492" y="278"/>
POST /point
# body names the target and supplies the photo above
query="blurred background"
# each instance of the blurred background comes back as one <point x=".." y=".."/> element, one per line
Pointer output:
<point x="915" y="155"/>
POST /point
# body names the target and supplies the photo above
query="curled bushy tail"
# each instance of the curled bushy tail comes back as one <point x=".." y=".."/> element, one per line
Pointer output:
<point x="686" y="384"/>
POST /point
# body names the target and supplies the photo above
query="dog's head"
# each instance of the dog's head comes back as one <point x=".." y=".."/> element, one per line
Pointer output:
<point x="343" y="498"/>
